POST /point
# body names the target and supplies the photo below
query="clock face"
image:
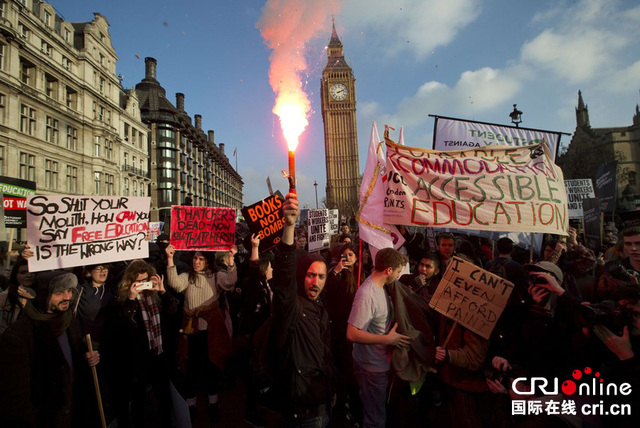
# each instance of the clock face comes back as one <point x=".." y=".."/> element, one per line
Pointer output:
<point x="338" y="92"/>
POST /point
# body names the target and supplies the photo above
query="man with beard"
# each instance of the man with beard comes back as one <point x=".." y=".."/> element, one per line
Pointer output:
<point x="42" y="359"/>
<point x="300" y="330"/>
<point x="425" y="280"/>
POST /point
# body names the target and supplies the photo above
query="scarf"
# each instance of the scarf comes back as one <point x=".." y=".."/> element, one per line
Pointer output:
<point x="150" y="312"/>
<point x="57" y="323"/>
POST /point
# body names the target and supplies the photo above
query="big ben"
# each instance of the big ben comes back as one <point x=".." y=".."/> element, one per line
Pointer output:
<point x="338" y="94"/>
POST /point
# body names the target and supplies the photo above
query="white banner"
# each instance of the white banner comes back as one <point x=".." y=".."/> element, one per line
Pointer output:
<point x="458" y="134"/>
<point x="334" y="222"/>
<point x="68" y="231"/>
<point x="577" y="190"/>
<point x="506" y="189"/>
<point x="318" y="230"/>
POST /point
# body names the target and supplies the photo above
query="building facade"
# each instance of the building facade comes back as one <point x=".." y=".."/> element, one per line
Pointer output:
<point x="338" y="97"/>
<point x="67" y="124"/>
<point x="62" y="108"/>
<point x="592" y="147"/>
<point x="186" y="164"/>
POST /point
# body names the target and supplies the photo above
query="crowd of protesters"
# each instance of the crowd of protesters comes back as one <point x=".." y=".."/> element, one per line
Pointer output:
<point x="321" y="339"/>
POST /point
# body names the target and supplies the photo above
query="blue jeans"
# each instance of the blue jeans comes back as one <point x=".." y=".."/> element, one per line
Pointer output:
<point x="373" y="393"/>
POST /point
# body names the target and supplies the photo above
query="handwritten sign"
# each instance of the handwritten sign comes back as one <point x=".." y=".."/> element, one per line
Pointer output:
<point x="318" y="230"/>
<point x="202" y="228"/>
<point x="15" y="192"/>
<point x="472" y="296"/>
<point x="511" y="189"/>
<point x="577" y="190"/>
<point x="67" y="231"/>
<point x="265" y="219"/>
<point x="334" y="222"/>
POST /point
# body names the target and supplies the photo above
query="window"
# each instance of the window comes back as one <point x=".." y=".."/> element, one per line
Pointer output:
<point x="101" y="85"/>
<point x="125" y="189"/>
<point x="67" y="35"/>
<point x="2" y="49"/>
<point x="1" y="159"/>
<point x="72" y="179"/>
<point x="134" y="135"/>
<point x="47" y="18"/>
<point x="52" y="130"/>
<point x="27" y="166"/>
<point x="72" y="99"/>
<point x="27" y="120"/>
<point x="100" y="113"/>
<point x="108" y="149"/>
<point x="3" y="6"/>
<point x="51" y="174"/>
<point x="96" y="183"/>
<point x="126" y="131"/>
<point x="142" y="167"/>
<point x="101" y="59"/>
<point x="66" y="63"/>
<point x="72" y="138"/>
<point x="140" y="139"/>
<point x="51" y="86"/>
<point x="46" y="48"/>
<point x="96" y="147"/>
<point x="23" y="30"/>
<point x="126" y="159"/>
<point x="27" y="73"/>
<point x="135" y="188"/>
<point x="3" y="106"/>
<point x="108" y="184"/>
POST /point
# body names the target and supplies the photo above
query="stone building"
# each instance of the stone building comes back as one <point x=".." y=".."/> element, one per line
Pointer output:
<point x="338" y="97"/>
<point x="592" y="147"/>
<point x="186" y="164"/>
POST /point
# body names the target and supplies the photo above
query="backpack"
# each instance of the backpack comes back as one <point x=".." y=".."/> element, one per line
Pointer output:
<point x="499" y="268"/>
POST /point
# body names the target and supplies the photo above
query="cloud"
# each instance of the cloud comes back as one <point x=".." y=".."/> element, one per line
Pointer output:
<point x="414" y="26"/>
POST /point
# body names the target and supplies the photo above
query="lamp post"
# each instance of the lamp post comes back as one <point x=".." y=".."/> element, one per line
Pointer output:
<point x="315" y="184"/>
<point x="516" y="116"/>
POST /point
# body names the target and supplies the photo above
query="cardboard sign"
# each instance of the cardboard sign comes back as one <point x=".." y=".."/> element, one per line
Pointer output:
<point x="472" y="296"/>
<point x="67" y="231"/>
<point x="15" y="192"/>
<point x="510" y="189"/>
<point x="334" y="222"/>
<point x="202" y="228"/>
<point x="318" y="230"/>
<point x="577" y="190"/>
<point x="265" y="218"/>
<point x="607" y="186"/>
<point x="592" y="222"/>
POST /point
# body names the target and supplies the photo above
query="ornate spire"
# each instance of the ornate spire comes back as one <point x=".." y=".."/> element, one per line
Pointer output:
<point x="335" y="40"/>
<point x="636" y="117"/>
<point x="582" y="113"/>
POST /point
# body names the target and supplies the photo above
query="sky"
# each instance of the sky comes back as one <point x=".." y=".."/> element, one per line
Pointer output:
<point x="470" y="59"/>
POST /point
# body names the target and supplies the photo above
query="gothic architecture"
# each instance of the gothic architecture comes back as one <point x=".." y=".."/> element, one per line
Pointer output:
<point x="591" y="147"/>
<point x="338" y="95"/>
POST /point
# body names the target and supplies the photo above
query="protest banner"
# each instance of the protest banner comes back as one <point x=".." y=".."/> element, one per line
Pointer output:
<point x="334" y="222"/>
<point x="577" y="190"/>
<point x="265" y="219"/>
<point x="15" y="192"/>
<point x="318" y="230"/>
<point x="592" y="222"/>
<point x="606" y="187"/>
<point x="68" y="231"/>
<point x="459" y="134"/>
<point x="155" y="229"/>
<point x="505" y="189"/>
<point x="202" y="228"/>
<point x="471" y="296"/>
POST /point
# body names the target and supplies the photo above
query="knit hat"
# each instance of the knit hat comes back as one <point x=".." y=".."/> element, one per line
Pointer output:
<point x="62" y="282"/>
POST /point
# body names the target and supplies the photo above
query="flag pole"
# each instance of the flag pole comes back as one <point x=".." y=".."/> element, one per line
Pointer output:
<point x="96" y="385"/>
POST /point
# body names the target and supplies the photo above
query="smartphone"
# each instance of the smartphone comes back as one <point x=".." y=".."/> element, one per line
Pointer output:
<point x="343" y="257"/>
<point x="144" y="286"/>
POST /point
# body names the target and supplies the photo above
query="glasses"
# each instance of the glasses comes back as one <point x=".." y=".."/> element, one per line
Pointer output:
<point x="101" y="269"/>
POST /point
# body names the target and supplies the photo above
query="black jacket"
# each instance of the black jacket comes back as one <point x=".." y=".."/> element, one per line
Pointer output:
<point x="300" y="334"/>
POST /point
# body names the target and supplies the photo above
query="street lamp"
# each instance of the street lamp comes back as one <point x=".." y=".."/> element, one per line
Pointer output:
<point x="516" y="116"/>
<point x="315" y="184"/>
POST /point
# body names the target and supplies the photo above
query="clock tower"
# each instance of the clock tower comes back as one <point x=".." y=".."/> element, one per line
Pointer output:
<point x="338" y="95"/>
